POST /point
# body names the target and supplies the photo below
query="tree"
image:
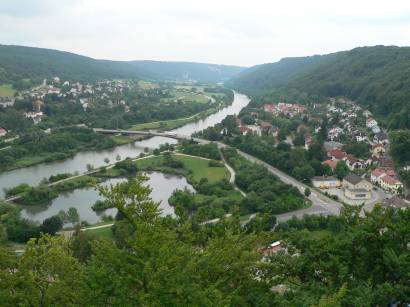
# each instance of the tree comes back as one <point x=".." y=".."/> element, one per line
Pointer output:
<point x="89" y="167"/>
<point x="72" y="215"/>
<point x="51" y="225"/>
<point x="341" y="169"/>
<point x="307" y="192"/>
<point x="107" y="160"/>
<point x="45" y="275"/>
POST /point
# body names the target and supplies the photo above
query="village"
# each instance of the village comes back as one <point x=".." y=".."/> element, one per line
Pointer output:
<point x="369" y="178"/>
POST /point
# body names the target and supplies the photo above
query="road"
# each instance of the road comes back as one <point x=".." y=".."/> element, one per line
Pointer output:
<point x="320" y="203"/>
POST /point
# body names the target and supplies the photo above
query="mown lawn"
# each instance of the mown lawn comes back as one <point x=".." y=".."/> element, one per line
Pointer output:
<point x="6" y="90"/>
<point x="200" y="169"/>
<point x="197" y="167"/>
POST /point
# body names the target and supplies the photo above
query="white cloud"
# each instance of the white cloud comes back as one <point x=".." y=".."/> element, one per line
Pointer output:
<point x="230" y="32"/>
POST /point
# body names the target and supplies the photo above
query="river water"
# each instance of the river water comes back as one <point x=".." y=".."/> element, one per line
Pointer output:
<point x="82" y="199"/>
<point x="78" y="163"/>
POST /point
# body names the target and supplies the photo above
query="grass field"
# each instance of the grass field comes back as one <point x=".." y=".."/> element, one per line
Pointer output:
<point x="147" y="85"/>
<point x="185" y="95"/>
<point x="121" y="139"/>
<point x="164" y="125"/>
<point x="105" y="232"/>
<point x="197" y="167"/>
<point x="6" y="90"/>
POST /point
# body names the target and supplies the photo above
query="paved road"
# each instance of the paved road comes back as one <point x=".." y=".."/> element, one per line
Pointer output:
<point x="320" y="203"/>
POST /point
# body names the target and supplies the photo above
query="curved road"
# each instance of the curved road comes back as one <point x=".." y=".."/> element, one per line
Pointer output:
<point x="320" y="203"/>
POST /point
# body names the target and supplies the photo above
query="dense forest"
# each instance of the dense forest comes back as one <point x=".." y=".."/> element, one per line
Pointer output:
<point x="25" y="66"/>
<point x="376" y="77"/>
<point x="345" y="260"/>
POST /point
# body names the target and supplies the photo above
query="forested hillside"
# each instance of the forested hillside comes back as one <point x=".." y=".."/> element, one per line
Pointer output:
<point x="188" y="70"/>
<point x="26" y="66"/>
<point x="376" y="77"/>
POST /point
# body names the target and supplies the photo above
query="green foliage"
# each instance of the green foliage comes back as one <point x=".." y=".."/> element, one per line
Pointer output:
<point x="341" y="169"/>
<point x="101" y="205"/>
<point x="51" y="225"/>
<point x="400" y="147"/>
<point x="209" y="151"/>
<point x="37" y="196"/>
<point x="346" y="260"/>
<point x="359" y="149"/>
<point x="266" y="193"/>
<point x="26" y="66"/>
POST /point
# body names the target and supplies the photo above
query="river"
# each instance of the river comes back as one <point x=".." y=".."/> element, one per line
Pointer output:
<point x="82" y="199"/>
<point x="78" y="163"/>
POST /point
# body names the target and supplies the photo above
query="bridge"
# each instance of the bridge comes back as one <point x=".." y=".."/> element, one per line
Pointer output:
<point x="171" y="135"/>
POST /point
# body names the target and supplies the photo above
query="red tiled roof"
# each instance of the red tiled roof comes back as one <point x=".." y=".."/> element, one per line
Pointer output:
<point x="389" y="180"/>
<point x="331" y="163"/>
<point x="377" y="172"/>
<point x="337" y="153"/>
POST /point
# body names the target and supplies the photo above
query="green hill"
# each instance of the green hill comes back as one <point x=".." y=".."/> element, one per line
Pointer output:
<point x="25" y="66"/>
<point x="188" y="70"/>
<point x="376" y="77"/>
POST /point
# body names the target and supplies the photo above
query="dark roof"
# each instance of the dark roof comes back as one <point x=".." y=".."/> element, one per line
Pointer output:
<point x="381" y="136"/>
<point x="353" y="178"/>
<point x="395" y="202"/>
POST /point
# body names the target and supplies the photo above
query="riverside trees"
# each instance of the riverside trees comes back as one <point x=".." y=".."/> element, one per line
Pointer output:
<point x="346" y="261"/>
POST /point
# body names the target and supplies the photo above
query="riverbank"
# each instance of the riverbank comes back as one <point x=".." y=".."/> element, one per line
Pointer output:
<point x="117" y="140"/>
<point x="33" y="175"/>
<point x="179" y="122"/>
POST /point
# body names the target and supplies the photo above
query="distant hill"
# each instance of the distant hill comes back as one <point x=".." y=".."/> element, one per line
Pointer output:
<point x="377" y="77"/>
<point x="188" y="70"/>
<point x="19" y="65"/>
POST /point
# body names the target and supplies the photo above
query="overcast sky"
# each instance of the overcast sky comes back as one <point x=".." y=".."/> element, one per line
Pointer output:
<point x="223" y="32"/>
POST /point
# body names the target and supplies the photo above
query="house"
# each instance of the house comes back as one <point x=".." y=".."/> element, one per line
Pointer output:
<point x="381" y="138"/>
<point x="356" y="188"/>
<point x="270" y="108"/>
<point x="53" y="90"/>
<point x="371" y="122"/>
<point x="3" y="132"/>
<point x="331" y="163"/>
<point x="367" y="113"/>
<point x="308" y="141"/>
<point x="359" y="136"/>
<point x="395" y="203"/>
<point x="378" y="150"/>
<point x="325" y="182"/>
<point x="336" y="154"/>
<point x="375" y="175"/>
<point x="273" y="248"/>
<point x="353" y="163"/>
<point x="334" y="133"/>
<point x="386" y="162"/>
<point x="266" y="127"/>
<point x="255" y="129"/>
<point x="35" y="116"/>
<point x="332" y="145"/>
<point x="390" y="183"/>
<point x="244" y="130"/>
<point x="376" y="129"/>
<point x="7" y="101"/>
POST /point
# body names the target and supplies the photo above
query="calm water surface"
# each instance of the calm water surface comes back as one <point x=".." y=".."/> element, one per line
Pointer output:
<point x="82" y="199"/>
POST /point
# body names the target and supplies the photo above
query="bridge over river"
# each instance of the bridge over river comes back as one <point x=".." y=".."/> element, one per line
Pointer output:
<point x="151" y="133"/>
